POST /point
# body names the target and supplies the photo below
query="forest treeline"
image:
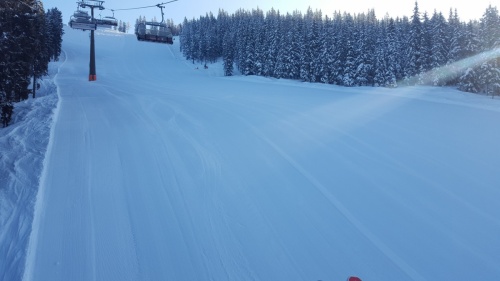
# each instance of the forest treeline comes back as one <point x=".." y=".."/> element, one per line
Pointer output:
<point x="352" y="50"/>
<point x="29" y="39"/>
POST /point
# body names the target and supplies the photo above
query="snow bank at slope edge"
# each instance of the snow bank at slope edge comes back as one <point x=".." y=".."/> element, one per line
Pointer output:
<point x="23" y="145"/>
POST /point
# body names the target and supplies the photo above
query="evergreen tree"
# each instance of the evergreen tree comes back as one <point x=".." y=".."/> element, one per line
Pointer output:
<point x="297" y="45"/>
<point x="259" y="42"/>
<point x="402" y="28"/>
<point x="361" y="53"/>
<point x="284" y="61"/>
<point x="315" y="64"/>
<point x="25" y="47"/>
<point x="380" y="58"/>
<point x="490" y="29"/>
<point x="41" y="54"/>
<point x="310" y="46"/>
<point x="471" y="43"/>
<point x="345" y="71"/>
<point x="439" y="47"/>
<point x="367" y="30"/>
<point x="228" y="53"/>
<point x="271" y="43"/>
<point x="327" y="56"/>
<point x="55" y="32"/>
<point x="391" y="54"/>
<point x="340" y="34"/>
<point x="415" y="63"/>
<point x="186" y="37"/>
<point x="350" y="66"/>
<point x="489" y="71"/>
<point x="468" y="82"/>
<point x="456" y="38"/>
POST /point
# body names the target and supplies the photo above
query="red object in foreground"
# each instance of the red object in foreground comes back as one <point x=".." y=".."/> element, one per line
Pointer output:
<point x="353" y="278"/>
<point x="92" y="77"/>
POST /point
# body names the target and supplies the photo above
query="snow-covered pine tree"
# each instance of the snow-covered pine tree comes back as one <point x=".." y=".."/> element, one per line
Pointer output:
<point x="228" y="52"/>
<point x="439" y="47"/>
<point x="402" y="27"/>
<point x="340" y="34"/>
<point x="468" y="82"/>
<point x="310" y="46"/>
<point x="414" y="57"/>
<point x="380" y="56"/>
<point x="345" y="71"/>
<point x="489" y="71"/>
<point x="362" y="52"/>
<point x="203" y="36"/>
<point x="391" y="55"/>
<point x="260" y="42"/>
<point x="365" y="51"/>
<point x="327" y="55"/>
<point x="456" y="37"/>
<point x="55" y="32"/>
<point x="270" y="44"/>
<point x="197" y="41"/>
<point x="184" y="38"/>
<point x="214" y="51"/>
<point x="315" y="64"/>
<point x="456" y="52"/>
<point x="471" y="43"/>
<point x="297" y="44"/>
<point x="350" y="66"/>
<point x="285" y="56"/>
<point x="222" y="26"/>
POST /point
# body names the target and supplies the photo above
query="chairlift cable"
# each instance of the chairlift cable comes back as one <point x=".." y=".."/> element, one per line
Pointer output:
<point x="145" y="7"/>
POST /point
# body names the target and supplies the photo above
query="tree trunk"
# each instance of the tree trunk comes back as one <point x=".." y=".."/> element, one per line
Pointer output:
<point x="34" y="84"/>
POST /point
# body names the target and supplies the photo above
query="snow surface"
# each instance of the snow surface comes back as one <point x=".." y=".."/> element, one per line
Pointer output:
<point x="162" y="171"/>
<point x="22" y="147"/>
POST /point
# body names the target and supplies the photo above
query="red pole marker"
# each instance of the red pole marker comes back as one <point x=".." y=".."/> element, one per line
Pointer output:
<point x="353" y="278"/>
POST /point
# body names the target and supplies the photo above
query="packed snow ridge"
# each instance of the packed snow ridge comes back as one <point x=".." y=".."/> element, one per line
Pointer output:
<point x="164" y="170"/>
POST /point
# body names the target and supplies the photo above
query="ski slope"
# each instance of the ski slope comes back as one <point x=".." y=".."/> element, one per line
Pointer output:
<point x="161" y="171"/>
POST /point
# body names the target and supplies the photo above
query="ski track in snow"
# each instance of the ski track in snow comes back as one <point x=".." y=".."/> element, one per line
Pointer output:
<point x="161" y="171"/>
<point x="412" y="274"/>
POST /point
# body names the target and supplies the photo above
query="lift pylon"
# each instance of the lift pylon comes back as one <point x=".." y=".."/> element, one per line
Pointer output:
<point x="92" y="5"/>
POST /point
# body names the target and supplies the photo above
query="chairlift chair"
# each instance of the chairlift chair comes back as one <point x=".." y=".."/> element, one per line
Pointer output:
<point x="154" y="31"/>
<point x="81" y="14"/>
<point x="110" y="21"/>
<point x="88" y="25"/>
<point x="107" y="22"/>
<point x="81" y="20"/>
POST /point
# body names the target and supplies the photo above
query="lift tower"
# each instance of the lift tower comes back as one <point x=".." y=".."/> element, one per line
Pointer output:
<point x="92" y="5"/>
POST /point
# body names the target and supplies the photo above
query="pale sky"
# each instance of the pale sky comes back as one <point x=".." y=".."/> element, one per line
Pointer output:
<point x="195" y="8"/>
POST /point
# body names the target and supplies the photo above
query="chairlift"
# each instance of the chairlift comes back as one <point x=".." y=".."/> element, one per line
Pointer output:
<point x="81" y="14"/>
<point x="108" y="21"/>
<point x="82" y="20"/>
<point x="111" y="21"/>
<point x="154" y="31"/>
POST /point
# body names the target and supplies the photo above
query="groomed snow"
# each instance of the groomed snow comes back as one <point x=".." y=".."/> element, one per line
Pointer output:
<point x="162" y="171"/>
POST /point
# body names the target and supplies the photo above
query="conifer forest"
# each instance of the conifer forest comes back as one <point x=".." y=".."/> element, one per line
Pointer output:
<point x="30" y="38"/>
<point x="352" y="50"/>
